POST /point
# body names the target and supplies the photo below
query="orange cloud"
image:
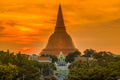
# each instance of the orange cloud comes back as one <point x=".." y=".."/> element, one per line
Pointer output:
<point x="26" y="49"/>
<point x="91" y="23"/>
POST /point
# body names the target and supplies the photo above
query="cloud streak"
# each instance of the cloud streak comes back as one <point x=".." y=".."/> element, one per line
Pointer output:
<point x="91" y="23"/>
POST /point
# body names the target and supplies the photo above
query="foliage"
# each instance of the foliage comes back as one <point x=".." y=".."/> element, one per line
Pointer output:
<point x="71" y="56"/>
<point x="89" y="52"/>
<point x="8" y="72"/>
<point x="18" y="66"/>
<point x="105" y="66"/>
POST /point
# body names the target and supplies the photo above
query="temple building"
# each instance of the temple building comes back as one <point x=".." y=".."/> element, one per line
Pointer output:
<point x="40" y="59"/>
<point x="61" y="60"/>
<point x="60" y="40"/>
<point x="61" y="64"/>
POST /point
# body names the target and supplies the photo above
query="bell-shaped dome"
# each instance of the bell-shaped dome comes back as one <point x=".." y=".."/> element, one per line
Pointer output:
<point x="60" y="41"/>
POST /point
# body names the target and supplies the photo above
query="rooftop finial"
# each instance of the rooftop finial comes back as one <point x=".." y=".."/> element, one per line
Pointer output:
<point x="60" y="20"/>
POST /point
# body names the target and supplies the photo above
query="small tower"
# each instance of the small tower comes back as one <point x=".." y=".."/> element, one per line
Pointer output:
<point x="61" y="58"/>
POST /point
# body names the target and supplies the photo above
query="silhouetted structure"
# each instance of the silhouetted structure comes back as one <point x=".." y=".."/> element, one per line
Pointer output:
<point x="60" y="39"/>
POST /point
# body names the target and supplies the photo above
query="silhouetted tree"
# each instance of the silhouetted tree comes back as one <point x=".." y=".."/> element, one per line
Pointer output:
<point x="89" y="52"/>
<point x="71" y="56"/>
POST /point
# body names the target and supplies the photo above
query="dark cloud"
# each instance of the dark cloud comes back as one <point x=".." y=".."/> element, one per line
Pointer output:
<point x="7" y="35"/>
<point x="2" y="28"/>
<point x="117" y="21"/>
<point x="11" y="23"/>
<point x="111" y="24"/>
<point x="50" y="21"/>
<point x="23" y="7"/>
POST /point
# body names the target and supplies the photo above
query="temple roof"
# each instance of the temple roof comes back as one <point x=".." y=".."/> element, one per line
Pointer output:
<point x="44" y="59"/>
<point x="61" y="55"/>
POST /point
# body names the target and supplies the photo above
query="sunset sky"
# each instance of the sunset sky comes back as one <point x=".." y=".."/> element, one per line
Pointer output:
<point x="25" y="25"/>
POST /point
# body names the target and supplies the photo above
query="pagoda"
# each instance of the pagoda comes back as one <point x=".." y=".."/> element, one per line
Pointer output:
<point x="60" y="40"/>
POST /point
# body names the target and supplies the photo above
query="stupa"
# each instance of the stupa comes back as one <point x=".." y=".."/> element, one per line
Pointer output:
<point x="60" y="40"/>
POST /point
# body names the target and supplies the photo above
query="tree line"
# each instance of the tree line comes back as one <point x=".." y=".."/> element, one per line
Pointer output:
<point x="103" y="66"/>
<point x="19" y="67"/>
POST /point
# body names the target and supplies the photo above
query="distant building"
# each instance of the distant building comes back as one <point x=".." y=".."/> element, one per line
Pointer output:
<point x="40" y="59"/>
<point x="44" y="59"/>
<point x="79" y="58"/>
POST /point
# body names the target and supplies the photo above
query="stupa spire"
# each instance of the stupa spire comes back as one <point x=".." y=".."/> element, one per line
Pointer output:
<point x="60" y="40"/>
<point x="60" y="26"/>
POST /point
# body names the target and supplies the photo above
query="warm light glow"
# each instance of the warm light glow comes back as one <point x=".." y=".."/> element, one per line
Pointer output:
<point x="25" y="28"/>
<point x="91" y="23"/>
